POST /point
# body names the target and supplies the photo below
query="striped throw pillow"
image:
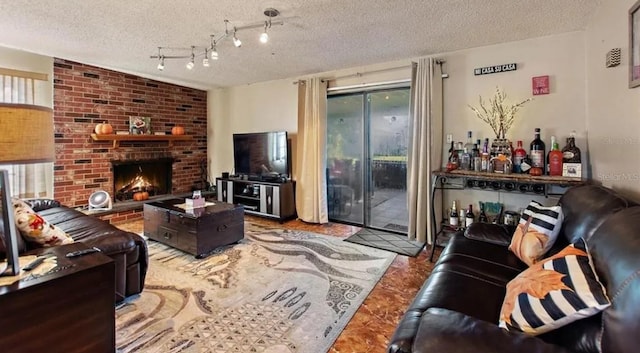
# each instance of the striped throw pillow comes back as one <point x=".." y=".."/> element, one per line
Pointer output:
<point x="554" y="292"/>
<point x="536" y="232"/>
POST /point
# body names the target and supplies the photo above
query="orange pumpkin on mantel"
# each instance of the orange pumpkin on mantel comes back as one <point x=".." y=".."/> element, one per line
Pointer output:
<point x="177" y="130"/>
<point x="104" y="129"/>
<point x="141" y="196"/>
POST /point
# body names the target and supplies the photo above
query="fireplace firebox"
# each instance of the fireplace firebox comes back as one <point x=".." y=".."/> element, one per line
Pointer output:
<point x="132" y="176"/>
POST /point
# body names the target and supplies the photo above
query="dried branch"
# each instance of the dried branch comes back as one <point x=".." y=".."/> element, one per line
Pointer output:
<point x="498" y="115"/>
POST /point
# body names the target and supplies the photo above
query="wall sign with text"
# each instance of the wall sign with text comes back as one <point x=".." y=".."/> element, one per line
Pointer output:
<point x="495" y="69"/>
<point x="540" y="85"/>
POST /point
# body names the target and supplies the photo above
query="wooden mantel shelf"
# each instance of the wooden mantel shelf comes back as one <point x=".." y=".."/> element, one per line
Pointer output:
<point x="139" y="138"/>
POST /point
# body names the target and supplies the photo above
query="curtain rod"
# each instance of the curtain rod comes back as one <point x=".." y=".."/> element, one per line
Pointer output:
<point x="364" y="85"/>
<point x="360" y="74"/>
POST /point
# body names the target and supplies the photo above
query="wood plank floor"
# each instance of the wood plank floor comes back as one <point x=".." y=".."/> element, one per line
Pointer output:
<point x="373" y="324"/>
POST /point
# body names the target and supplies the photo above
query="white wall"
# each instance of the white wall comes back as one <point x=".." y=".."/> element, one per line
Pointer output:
<point x="267" y="106"/>
<point x="21" y="60"/>
<point x="613" y="108"/>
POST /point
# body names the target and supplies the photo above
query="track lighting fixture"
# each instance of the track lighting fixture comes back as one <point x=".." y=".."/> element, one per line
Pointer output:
<point x="211" y="51"/>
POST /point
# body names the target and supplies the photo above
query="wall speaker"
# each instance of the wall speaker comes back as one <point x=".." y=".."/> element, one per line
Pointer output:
<point x="100" y="200"/>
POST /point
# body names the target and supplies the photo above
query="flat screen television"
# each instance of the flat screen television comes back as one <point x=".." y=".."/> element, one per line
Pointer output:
<point x="261" y="154"/>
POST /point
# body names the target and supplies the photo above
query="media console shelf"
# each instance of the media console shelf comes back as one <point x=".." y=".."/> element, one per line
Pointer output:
<point x="259" y="198"/>
<point x="139" y="138"/>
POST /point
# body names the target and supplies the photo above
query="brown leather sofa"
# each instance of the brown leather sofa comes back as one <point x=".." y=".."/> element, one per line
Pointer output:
<point x="457" y="308"/>
<point x="128" y="250"/>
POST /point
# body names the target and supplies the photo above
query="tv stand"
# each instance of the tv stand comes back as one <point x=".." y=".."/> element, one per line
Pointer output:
<point x="259" y="198"/>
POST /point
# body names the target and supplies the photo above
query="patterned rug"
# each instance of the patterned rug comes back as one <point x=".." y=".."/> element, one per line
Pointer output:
<point x="275" y="291"/>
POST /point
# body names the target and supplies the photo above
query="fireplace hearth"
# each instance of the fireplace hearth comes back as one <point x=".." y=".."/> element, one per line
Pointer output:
<point x="152" y="176"/>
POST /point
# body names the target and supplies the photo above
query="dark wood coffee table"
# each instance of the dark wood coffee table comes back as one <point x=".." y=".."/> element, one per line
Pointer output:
<point x="197" y="231"/>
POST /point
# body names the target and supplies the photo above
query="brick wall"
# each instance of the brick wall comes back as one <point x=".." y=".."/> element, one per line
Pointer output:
<point x="86" y="95"/>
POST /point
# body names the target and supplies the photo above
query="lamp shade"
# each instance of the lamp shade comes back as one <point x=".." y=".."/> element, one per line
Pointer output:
<point x="26" y="134"/>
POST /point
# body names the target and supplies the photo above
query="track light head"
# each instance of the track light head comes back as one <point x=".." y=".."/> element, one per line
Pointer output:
<point x="236" y="41"/>
<point x="161" y="63"/>
<point x="205" y="62"/>
<point x="264" y="37"/>
<point x="190" y="65"/>
<point x="214" y="53"/>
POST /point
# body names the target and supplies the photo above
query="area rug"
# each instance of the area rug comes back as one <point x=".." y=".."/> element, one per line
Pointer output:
<point x="380" y="239"/>
<point x="275" y="291"/>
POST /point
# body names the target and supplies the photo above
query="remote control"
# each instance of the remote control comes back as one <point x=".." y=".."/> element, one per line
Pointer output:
<point x="33" y="264"/>
<point x="82" y="252"/>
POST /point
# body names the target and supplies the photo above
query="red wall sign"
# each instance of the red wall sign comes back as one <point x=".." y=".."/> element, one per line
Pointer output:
<point x="540" y="85"/>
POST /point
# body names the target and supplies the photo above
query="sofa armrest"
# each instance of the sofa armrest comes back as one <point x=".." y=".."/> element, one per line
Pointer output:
<point x="117" y="243"/>
<point x="498" y="234"/>
<point x="443" y="330"/>
<point x="42" y="204"/>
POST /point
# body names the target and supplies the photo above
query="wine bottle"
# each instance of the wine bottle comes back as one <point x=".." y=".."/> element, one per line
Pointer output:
<point x="555" y="159"/>
<point x="571" y="153"/>
<point x="537" y="151"/>
<point x="469" y="218"/>
<point x="482" y="217"/>
<point x="519" y="155"/>
<point x="453" y="216"/>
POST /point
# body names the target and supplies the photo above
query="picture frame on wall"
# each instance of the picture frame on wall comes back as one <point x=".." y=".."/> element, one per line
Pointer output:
<point x="139" y="125"/>
<point x="634" y="45"/>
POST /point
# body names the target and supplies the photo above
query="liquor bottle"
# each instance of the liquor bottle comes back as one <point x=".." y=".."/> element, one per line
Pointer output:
<point x="518" y="156"/>
<point x="453" y="216"/>
<point x="546" y="168"/>
<point x="571" y="153"/>
<point x="469" y="218"/>
<point x="476" y="161"/>
<point x="469" y="144"/>
<point x="453" y="156"/>
<point x="485" y="146"/>
<point x="537" y="151"/>
<point x="465" y="160"/>
<point x="555" y="159"/>
<point x="482" y="217"/>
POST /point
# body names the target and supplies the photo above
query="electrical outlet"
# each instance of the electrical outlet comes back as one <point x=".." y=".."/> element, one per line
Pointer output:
<point x="449" y="138"/>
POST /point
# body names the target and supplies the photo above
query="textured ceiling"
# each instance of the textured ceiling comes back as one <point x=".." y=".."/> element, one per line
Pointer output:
<point x="317" y="35"/>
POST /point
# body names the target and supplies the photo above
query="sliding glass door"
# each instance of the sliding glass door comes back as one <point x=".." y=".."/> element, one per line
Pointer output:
<point x="367" y="139"/>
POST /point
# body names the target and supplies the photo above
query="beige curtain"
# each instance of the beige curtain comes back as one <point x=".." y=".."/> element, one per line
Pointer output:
<point x="311" y="181"/>
<point x="425" y="145"/>
<point x="31" y="180"/>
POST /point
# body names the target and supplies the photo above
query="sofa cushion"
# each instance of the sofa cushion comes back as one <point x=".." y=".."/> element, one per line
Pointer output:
<point x="554" y="292"/>
<point x="36" y="229"/>
<point x="536" y="233"/>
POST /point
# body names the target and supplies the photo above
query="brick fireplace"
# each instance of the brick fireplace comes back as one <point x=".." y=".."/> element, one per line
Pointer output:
<point x="85" y="95"/>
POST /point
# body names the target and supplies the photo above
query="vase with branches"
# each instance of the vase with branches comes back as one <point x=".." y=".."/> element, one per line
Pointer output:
<point x="499" y="114"/>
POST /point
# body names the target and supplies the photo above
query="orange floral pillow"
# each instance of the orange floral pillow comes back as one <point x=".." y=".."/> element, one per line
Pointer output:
<point x="553" y="293"/>
<point x="36" y="229"/>
<point x="536" y="233"/>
